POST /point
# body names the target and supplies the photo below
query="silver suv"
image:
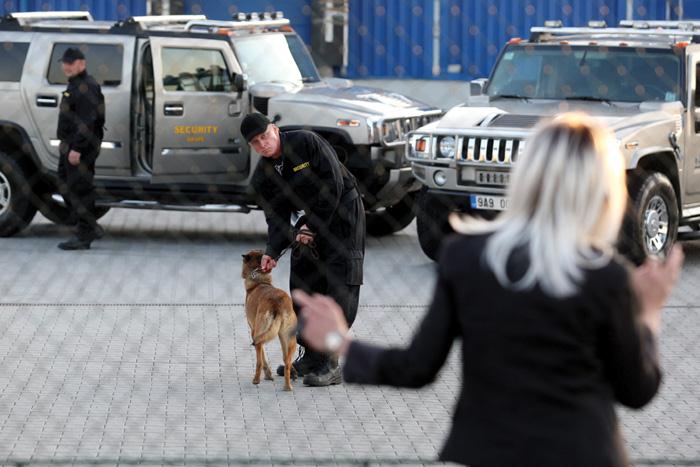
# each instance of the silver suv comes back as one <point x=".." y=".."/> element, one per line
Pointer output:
<point x="641" y="79"/>
<point x="176" y="89"/>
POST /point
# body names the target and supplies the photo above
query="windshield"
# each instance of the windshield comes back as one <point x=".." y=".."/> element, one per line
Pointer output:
<point x="588" y="72"/>
<point x="269" y="58"/>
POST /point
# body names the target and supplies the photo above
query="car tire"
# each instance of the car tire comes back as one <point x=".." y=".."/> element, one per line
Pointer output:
<point x="16" y="208"/>
<point x="650" y="226"/>
<point x="393" y="218"/>
<point x="432" y="223"/>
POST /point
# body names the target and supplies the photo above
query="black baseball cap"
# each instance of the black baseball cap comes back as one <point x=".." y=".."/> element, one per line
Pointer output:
<point x="72" y="54"/>
<point x="253" y="125"/>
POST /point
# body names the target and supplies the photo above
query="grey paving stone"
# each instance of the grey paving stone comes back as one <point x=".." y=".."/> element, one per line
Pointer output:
<point x="139" y="348"/>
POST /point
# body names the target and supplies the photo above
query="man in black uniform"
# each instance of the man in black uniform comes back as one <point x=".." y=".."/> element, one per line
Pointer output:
<point x="80" y="129"/>
<point x="299" y="171"/>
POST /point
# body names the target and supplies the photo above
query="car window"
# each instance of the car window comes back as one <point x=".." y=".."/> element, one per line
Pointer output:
<point x="553" y="71"/>
<point x="202" y="70"/>
<point x="267" y="58"/>
<point x="12" y="55"/>
<point x="104" y="63"/>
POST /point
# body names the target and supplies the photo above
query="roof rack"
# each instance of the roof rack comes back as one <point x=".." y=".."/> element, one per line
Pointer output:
<point x="214" y="25"/>
<point x="241" y="21"/>
<point x="165" y="19"/>
<point x="542" y="34"/>
<point x="27" y="18"/>
<point x="685" y="25"/>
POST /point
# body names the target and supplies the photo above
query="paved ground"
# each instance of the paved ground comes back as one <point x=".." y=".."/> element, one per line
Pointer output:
<point x="138" y="348"/>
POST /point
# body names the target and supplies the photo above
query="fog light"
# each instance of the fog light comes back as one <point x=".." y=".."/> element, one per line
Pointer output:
<point x="440" y="178"/>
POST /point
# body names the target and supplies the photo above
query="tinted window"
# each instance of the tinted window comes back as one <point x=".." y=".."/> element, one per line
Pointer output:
<point x="202" y="70"/>
<point x="104" y="63"/>
<point x="12" y="55"/>
<point x="588" y="72"/>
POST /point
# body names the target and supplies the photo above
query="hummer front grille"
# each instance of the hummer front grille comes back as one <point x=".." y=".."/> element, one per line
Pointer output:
<point x="394" y="131"/>
<point x="491" y="150"/>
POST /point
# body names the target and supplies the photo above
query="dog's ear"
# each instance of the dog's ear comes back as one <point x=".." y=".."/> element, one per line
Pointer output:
<point x="246" y="257"/>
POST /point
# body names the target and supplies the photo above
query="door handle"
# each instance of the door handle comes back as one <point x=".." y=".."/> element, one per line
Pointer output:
<point x="234" y="108"/>
<point x="173" y="110"/>
<point x="47" y="101"/>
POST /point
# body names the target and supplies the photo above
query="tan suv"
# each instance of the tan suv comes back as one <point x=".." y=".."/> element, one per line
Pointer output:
<point x="176" y="89"/>
<point x="641" y="79"/>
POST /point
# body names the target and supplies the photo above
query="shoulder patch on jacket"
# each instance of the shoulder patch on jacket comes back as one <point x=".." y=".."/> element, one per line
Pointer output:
<point x="66" y="94"/>
<point x="301" y="166"/>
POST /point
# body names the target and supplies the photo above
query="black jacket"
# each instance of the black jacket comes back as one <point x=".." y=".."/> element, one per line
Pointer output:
<point x="82" y="115"/>
<point x="540" y="375"/>
<point x="312" y="179"/>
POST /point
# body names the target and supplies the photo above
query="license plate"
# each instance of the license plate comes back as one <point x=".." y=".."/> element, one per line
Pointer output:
<point x="486" y="177"/>
<point x="494" y="203"/>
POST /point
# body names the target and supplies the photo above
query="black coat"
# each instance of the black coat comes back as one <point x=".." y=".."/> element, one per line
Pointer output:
<point x="81" y="116"/>
<point x="311" y="179"/>
<point x="540" y="375"/>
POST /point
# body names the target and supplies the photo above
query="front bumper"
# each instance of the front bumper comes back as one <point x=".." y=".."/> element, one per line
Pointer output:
<point x="460" y="179"/>
<point x="400" y="183"/>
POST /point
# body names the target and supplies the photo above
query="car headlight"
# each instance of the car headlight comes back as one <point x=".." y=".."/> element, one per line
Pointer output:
<point x="391" y="131"/>
<point x="446" y="147"/>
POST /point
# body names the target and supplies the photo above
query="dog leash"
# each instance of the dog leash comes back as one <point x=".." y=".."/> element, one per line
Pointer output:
<point x="296" y="252"/>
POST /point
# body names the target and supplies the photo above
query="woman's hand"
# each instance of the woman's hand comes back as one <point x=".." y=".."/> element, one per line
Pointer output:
<point x="653" y="282"/>
<point x="322" y="316"/>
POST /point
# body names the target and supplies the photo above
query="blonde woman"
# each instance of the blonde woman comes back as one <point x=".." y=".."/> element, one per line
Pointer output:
<point x="555" y="328"/>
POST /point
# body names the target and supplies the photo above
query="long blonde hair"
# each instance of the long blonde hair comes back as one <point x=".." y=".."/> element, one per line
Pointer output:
<point x="567" y="200"/>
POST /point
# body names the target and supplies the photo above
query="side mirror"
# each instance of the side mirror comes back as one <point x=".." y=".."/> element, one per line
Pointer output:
<point x="238" y="82"/>
<point x="477" y="86"/>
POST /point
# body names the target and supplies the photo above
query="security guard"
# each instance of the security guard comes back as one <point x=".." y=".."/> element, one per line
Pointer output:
<point x="299" y="171"/>
<point x="80" y="128"/>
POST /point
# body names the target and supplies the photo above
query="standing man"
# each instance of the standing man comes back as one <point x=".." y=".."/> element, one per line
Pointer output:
<point x="80" y="129"/>
<point x="299" y="171"/>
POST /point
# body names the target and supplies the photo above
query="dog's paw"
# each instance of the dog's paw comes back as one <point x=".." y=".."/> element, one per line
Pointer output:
<point x="288" y="388"/>
<point x="256" y="380"/>
<point x="269" y="377"/>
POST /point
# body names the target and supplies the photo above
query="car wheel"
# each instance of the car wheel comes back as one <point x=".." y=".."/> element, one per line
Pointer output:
<point x="651" y="224"/>
<point x="16" y="209"/>
<point x="432" y="223"/>
<point x="393" y="218"/>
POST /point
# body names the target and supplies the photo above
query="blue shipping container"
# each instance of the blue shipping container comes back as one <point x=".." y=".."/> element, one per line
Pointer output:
<point x="298" y="11"/>
<point x="460" y="39"/>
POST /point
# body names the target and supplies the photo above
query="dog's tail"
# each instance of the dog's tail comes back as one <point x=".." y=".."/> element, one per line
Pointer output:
<point x="268" y="326"/>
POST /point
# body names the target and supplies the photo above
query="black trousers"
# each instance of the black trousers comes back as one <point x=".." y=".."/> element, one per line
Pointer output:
<point x="78" y="190"/>
<point x="337" y="272"/>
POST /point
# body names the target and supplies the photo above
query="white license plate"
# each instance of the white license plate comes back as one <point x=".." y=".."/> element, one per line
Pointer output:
<point x="494" y="203"/>
<point x="490" y="177"/>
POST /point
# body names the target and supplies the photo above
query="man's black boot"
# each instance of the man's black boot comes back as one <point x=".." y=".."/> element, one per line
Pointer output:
<point x="99" y="231"/>
<point x="306" y="362"/>
<point x="75" y="243"/>
<point x="329" y="373"/>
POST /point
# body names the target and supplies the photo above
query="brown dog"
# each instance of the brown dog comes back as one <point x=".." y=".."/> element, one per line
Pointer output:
<point x="270" y="313"/>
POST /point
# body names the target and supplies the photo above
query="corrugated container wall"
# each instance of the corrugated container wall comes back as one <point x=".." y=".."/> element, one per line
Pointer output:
<point x="432" y="39"/>
<point x="298" y="11"/>
<point x="460" y="39"/>
<point x="109" y="10"/>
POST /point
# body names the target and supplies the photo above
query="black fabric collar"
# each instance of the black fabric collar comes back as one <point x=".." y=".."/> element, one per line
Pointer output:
<point x="79" y="77"/>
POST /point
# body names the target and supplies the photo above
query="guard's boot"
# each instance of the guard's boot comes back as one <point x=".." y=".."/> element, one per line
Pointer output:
<point x="75" y="243"/>
<point x="306" y="362"/>
<point x="327" y="374"/>
<point x="99" y="231"/>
